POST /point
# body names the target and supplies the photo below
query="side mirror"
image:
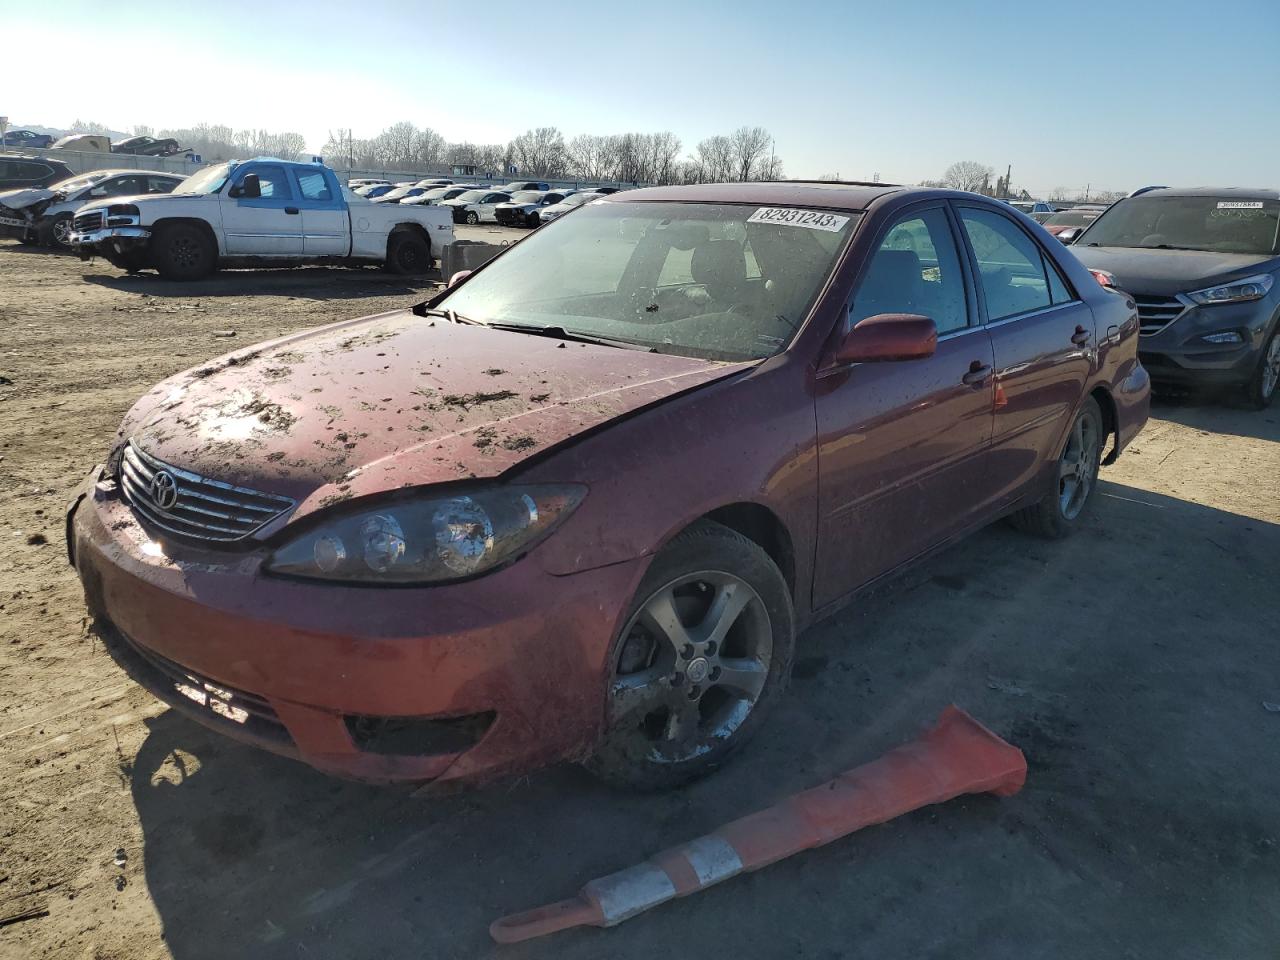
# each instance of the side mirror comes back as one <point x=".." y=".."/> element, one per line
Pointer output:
<point x="458" y="277"/>
<point x="250" y="187"/>
<point x="888" y="336"/>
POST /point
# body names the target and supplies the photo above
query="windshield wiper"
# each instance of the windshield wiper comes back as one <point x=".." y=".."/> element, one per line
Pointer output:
<point x="453" y="316"/>
<point x="560" y="333"/>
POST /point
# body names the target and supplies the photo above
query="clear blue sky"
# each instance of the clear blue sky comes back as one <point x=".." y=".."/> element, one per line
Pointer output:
<point x="1116" y="94"/>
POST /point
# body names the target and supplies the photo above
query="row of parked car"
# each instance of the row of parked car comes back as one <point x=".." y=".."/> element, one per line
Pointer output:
<point x="93" y="143"/>
<point x="521" y="203"/>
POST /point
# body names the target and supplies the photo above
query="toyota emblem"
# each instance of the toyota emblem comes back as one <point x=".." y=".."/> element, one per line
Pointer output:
<point x="164" y="490"/>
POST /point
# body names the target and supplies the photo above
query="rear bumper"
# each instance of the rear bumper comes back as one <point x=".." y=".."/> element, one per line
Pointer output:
<point x="499" y="674"/>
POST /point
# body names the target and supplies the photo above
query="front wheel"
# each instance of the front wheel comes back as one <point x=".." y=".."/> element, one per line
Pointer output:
<point x="182" y="251"/>
<point x="472" y="217"/>
<point x="55" y="233"/>
<point x="705" y="653"/>
<point x="1261" y="388"/>
<point x="1057" y="514"/>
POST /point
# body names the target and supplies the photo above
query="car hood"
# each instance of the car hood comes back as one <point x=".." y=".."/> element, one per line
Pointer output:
<point x="392" y="401"/>
<point x="21" y="199"/>
<point x="1167" y="272"/>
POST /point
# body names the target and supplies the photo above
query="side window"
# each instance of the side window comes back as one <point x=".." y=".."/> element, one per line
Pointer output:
<point x="125" y="186"/>
<point x="314" y="186"/>
<point x="161" y="184"/>
<point x="1010" y="265"/>
<point x="1058" y="291"/>
<point x="915" y="270"/>
<point x="274" y="183"/>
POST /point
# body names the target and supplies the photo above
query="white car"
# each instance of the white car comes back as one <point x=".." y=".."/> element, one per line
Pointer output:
<point x="440" y="194"/>
<point x="571" y="202"/>
<point x="365" y="182"/>
<point x="476" y="206"/>
<point x="43" y="215"/>
<point x="258" y="211"/>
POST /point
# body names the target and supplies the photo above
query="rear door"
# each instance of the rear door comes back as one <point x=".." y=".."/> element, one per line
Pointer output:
<point x="265" y="226"/>
<point x="1043" y="339"/>
<point x="326" y="230"/>
<point x="902" y="445"/>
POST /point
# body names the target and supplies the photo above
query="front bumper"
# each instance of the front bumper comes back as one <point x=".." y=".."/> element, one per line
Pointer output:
<point x="1179" y="356"/>
<point x="124" y="236"/>
<point x="295" y="667"/>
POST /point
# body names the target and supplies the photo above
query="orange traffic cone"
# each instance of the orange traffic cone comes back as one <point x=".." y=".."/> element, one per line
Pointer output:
<point x="956" y="757"/>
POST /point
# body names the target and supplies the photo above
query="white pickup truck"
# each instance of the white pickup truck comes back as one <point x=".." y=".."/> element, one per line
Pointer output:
<point x="256" y="212"/>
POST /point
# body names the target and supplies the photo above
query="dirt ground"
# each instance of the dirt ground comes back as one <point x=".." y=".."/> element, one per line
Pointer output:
<point x="1131" y="663"/>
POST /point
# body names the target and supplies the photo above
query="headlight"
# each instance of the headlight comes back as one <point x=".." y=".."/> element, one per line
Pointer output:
<point x="122" y="215"/>
<point x="428" y="540"/>
<point x="1250" y="288"/>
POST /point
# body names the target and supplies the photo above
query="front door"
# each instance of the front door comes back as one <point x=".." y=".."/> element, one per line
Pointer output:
<point x="902" y="444"/>
<point x="1042" y="336"/>
<point x="266" y="226"/>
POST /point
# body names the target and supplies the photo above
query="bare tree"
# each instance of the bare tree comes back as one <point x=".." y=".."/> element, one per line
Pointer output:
<point x="967" y="175"/>
<point x="750" y="146"/>
<point x="539" y="153"/>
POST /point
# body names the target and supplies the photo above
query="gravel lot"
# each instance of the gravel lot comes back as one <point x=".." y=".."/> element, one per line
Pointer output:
<point x="1130" y="663"/>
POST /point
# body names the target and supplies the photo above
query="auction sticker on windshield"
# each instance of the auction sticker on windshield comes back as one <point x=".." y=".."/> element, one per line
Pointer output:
<point x="1239" y="204"/>
<point x="812" y="219"/>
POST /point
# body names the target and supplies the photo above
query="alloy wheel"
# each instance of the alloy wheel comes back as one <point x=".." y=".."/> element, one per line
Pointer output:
<point x="1078" y="468"/>
<point x="61" y="231"/>
<point x="1271" y="368"/>
<point x="692" y="665"/>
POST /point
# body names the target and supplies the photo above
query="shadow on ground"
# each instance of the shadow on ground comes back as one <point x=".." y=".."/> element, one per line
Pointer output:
<point x="320" y="283"/>
<point x="1219" y="412"/>
<point x="1129" y="662"/>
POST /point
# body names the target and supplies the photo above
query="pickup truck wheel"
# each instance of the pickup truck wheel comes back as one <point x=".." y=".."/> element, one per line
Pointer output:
<point x="408" y="253"/>
<point x="1058" y="513"/>
<point x="55" y="232"/>
<point x="472" y="217"/>
<point x="183" y="252"/>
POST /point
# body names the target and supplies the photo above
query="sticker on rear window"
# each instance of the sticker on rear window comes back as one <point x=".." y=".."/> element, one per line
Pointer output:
<point x="1239" y="204"/>
<point x="813" y="219"/>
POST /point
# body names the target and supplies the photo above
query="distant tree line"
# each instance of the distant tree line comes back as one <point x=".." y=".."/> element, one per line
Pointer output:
<point x="217" y="141"/>
<point x="745" y="154"/>
<point x="976" y="177"/>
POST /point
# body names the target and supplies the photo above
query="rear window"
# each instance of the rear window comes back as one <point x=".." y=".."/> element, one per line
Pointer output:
<point x="1213" y="224"/>
<point x="1072" y="218"/>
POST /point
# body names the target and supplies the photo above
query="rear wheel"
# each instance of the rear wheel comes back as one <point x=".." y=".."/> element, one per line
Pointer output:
<point x="1058" y="513"/>
<point x="408" y="253"/>
<point x="183" y="251"/>
<point x="1262" y="386"/>
<point x="705" y="653"/>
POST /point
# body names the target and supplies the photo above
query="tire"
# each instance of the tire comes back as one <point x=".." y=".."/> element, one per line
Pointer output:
<point x="54" y="233"/>
<point x="532" y="220"/>
<point x="1265" y="382"/>
<point x="681" y="700"/>
<point x="472" y="217"/>
<point x="408" y="253"/>
<point x="183" y="251"/>
<point x="1058" y="514"/>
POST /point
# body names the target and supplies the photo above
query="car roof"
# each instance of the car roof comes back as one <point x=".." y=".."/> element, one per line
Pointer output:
<point x="838" y="196"/>
<point x="1241" y="193"/>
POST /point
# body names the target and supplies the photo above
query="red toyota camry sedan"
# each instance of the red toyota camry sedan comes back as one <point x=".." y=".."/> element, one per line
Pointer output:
<point x="580" y="504"/>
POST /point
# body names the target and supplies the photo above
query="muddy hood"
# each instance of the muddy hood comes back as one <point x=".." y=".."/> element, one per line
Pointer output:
<point x="395" y="401"/>
<point x="1166" y="272"/>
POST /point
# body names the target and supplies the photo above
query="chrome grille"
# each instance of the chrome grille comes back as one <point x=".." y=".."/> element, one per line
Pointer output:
<point x="203" y="509"/>
<point x="88" y="222"/>
<point x="1156" y="313"/>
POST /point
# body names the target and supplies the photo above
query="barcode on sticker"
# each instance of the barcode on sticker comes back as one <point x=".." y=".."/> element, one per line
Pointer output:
<point x="813" y="219"/>
<point x="1239" y="204"/>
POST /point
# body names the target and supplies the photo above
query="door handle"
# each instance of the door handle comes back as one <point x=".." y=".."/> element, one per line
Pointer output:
<point x="1080" y="337"/>
<point x="979" y="373"/>
<point x="290" y="209"/>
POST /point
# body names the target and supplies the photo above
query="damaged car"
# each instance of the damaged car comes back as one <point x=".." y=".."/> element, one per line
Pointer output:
<point x="44" y="215"/>
<point x="580" y="504"/>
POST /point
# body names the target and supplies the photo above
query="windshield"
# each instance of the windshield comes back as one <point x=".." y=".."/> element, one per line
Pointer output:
<point x="576" y="199"/>
<point x="73" y="184"/>
<point x="471" y="196"/>
<point x="208" y="180"/>
<point x="401" y="192"/>
<point x="1215" y="224"/>
<point x="718" y="281"/>
<point x="526" y="196"/>
<point x="1072" y="218"/>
